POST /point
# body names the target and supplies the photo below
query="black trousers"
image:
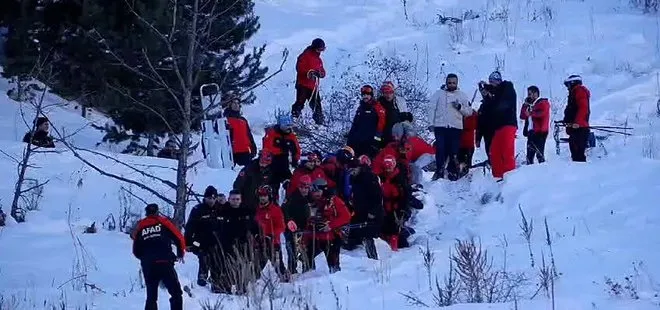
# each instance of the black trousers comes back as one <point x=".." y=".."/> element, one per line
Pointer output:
<point x="303" y="94"/>
<point x="273" y="253"/>
<point x="331" y="248"/>
<point x="536" y="146"/>
<point x="154" y="273"/>
<point x="577" y="143"/>
<point x="203" y="270"/>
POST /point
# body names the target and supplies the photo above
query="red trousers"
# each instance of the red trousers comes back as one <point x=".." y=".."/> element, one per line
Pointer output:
<point x="502" y="151"/>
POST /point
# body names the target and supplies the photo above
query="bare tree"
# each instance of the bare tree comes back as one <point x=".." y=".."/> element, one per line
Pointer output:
<point x="185" y="54"/>
<point x="28" y="190"/>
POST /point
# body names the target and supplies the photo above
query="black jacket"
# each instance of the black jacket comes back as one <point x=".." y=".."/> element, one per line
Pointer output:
<point x="365" y="125"/>
<point x="250" y="178"/>
<point x="393" y="116"/>
<point x="504" y="109"/>
<point x="367" y="196"/>
<point x="203" y="225"/>
<point x="236" y="225"/>
<point x="296" y="208"/>
<point x="40" y="139"/>
<point x="485" y="126"/>
<point x="153" y="238"/>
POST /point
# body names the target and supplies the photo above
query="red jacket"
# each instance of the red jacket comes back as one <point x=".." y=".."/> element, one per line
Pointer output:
<point x="280" y="143"/>
<point x="308" y="60"/>
<point x="333" y="211"/>
<point x="271" y="222"/>
<point x="419" y="147"/>
<point x="540" y="114"/>
<point x="241" y="135"/>
<point x="153" y="238"/>
<point x="392" y="193"/>
<point x="577" y="109"/>
<point x="313" y="174"/>
<point x="469" y="129"/>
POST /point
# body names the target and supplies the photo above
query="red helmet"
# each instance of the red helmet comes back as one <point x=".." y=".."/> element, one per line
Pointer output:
<point x="265" y="190"/>
<point x="389" y="162"/>
<point x="387" y="87"/>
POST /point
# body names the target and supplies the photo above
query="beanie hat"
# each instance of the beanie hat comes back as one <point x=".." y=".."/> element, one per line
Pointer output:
<point x="496" y="76"/>
<point x="284" y="120"/>
<point x="210" y="192"/>
<point x="318" y="43"/>
<point x="151" y="209"/>
<point x="367" y="89"/>
<point x="387" y="88"/>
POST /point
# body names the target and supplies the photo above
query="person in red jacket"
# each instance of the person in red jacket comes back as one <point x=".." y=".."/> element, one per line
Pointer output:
<point x="576" y="117"/>
<point x="310" y="166"/>
<point x="309" y="70"/>
<point x="282" y="143"/>
<point x="152" y="245"/>
<point x="270" y="220"/>
<point x="395" y="201"/>
<point x="466" y="148"/>
<point x="536" y="112"/>
<point x="328" y="214"/>
<point x="242" y="142"/>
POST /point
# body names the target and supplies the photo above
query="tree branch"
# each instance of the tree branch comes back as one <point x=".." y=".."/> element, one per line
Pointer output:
<point x="35" y="186"/>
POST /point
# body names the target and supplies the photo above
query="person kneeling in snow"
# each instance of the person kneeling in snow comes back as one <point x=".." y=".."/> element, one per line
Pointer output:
<point x="328" y="215"/>
<point x="152" y="245"/>
<point x="396" y="192"/>
<point x="270" y="220"/>
<point x="310" y="166"/>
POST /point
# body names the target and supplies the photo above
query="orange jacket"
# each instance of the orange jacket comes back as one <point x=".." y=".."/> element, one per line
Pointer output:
<point x="281" y="143"/>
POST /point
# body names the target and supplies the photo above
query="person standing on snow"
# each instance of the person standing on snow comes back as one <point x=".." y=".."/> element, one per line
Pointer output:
<point x="237" y="227"/>
<point x="328" y="215"/>
<point x="152" y="245"/>
<point x="254" y="175"/>
<point x="367" y="129"/>
<point x="394" y="109"/>
<point x="309" y="70"/>
<point x="450" y="105"/>
<point x="576" y="117"/>
<point x="296" y="214"/>
<point x="270" y="220"/>
<point x="536" y="112"/>
<point x="505" y="123"/>
<point x="367" y="202"/>
<point x="200" y="232"/>
<point x="242" y="142"/>
<point x="485" y="119"/>
<point x="466" y="149"/>
<point x="40" y="137"/>
<point x="282" y="143"/>
<point x="395" y="203"/>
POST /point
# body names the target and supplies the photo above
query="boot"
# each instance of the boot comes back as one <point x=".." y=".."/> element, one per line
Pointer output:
<point x="370" y="247"/>
<point x="201" y="282"/>
<point x="334" y="269"/>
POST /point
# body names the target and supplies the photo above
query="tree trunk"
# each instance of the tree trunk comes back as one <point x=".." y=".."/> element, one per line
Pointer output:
<point x="150" y="144"/>
<point x="182" y="167"/>
<point x="16" y="212"/>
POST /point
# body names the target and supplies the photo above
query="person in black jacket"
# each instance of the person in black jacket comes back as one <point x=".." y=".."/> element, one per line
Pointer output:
<point x="237" y="227"/>
<point x="368" y="212"/>
<point x="200" y="232"/>
<point x="259" y="172"/>
<point x="296" y="215"/>
<point x="505" y="124"/>
<point x="40" y="137"/>
<point x="169" y="151"/>
<point x="152" y="245"/>
<point x="485" y="118"/>
<point x="368" y="127"/>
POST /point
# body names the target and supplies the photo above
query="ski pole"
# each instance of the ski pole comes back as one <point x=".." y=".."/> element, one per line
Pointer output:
<point x="610" y="127"/>
<point x="612" y="131"/>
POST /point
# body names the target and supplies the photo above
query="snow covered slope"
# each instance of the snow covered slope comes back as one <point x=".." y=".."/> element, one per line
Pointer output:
<point x="601" y="216"/>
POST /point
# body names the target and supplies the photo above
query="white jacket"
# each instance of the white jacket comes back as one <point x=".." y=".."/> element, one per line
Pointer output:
<point x="443" y="113"/>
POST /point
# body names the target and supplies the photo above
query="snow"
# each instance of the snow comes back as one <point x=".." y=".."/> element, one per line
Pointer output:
<point x="602" y="215"/>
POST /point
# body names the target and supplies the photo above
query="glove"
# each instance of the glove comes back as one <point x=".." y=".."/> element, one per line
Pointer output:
<point x="456" y="105"/>
<point x="313" y="74"/>
<point x="371" y="216"/>
<point x="292" y="226"/>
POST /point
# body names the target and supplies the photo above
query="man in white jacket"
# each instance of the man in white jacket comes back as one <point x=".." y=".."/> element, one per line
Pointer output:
<point x="449" y="106"/>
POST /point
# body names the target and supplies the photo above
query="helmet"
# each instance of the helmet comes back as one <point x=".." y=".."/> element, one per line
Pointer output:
<point x="318" y="43"/>
<point x="319" y="184"/>
<point x="284" y="120"/>
<point x="364" y="160"/>
<point x="573" y="79"/>
<point x="367" y="89"/>
<point x="265" y="190"/>
<point x="389" y="162"/>
<point x="345" y="154"/>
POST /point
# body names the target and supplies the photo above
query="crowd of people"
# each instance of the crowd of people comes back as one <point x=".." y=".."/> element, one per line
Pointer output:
<point x="362" y="191"/>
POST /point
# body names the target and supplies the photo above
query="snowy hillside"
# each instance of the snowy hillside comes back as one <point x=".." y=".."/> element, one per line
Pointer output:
<point x="601" y="216"/>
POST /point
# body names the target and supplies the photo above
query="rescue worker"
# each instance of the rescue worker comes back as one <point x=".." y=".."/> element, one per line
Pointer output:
<point x="366" y="134"/>
<point x="242" y="142"/>
<point x="309" y="71"/>
<point x="395" y="202"/>
<point x="505" y="123"/>
<point x="310" y="166"/>
<point x="328" y="215"/>
<point x="576" y="117"/>
<point x="152" y="245"/>
<point x="282" y="143"/>
<point x="296" y="214"/>
<point x="254" y="175"/>
<point x="270" y="220"/>
<point x="200" y="232"/>
<point x="536" y="112"/>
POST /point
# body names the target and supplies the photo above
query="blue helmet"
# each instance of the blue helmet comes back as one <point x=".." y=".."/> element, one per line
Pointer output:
<point x="285" y="120"/>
